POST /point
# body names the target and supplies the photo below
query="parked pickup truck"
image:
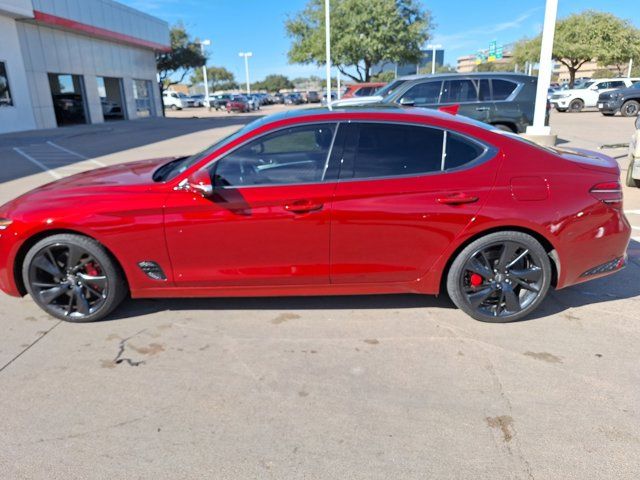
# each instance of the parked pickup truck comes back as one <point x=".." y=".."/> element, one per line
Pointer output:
<point x="624" y="100"/>
<point x="633" y="174"/>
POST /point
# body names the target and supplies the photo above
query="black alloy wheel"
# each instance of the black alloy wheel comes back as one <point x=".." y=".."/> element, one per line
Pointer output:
<point x="630" y="108"/>
<point x="501" y="277"/>
<point x="576" y="106"/>
<point x="73" y="278"/>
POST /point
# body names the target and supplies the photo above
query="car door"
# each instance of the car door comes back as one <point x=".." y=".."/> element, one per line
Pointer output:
<point x="400" y="201"/>
<point x="267" y="222"/>
<point x="472" y="96"/>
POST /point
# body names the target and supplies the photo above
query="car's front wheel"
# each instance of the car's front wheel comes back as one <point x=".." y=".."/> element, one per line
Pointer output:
<point x="501" y="277"/>
<point x="73" y="278"/>
<point x="576" y="106"/>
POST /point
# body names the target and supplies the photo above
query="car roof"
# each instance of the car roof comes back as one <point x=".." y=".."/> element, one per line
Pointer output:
<point x="467" y="75"/>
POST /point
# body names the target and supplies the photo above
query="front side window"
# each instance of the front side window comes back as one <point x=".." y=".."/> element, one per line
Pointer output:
<point x="394" y="150"/>
<point x="424" y="93"/>
<point x="290" y="156"/>
<point x="5" y="93"/>
<point x="459" y="91"/>
<point x="363" y="92"/>
<point x="502" y="89"/>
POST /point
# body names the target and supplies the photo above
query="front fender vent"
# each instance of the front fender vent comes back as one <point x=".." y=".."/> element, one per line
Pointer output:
<point x="152" y="270"/>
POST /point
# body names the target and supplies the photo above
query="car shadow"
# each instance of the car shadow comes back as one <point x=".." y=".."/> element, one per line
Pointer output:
<point x="619" y="286"/>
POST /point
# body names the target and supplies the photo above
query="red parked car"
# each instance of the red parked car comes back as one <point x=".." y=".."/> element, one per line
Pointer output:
<point x="237" y="103"/>
<point x="320" y="202"/>
<point x="362" y="89"/>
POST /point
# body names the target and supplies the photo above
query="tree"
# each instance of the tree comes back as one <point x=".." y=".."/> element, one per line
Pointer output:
<point x="364" y="33"/>
<point x="174" y="65"/>
<point x="387" y="76"/>
<point x="619" y="41"/>
<point x="583" y="37"/>
<point x="219" y="78"/>
<point x="273" y="83"/>
<point x="603" y="73"/>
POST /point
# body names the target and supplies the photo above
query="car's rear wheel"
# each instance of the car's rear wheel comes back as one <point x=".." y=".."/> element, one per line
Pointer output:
<point x="576" y="105"/>
<point x="630" y="108"/>
<point x="504" y="128"/>
<point x="73" y="278"/>
<point x="501" y="277"/>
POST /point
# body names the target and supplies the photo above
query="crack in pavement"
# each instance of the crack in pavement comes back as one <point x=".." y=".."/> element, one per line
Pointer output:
<point x="29" y="346"/>
<point x="121" y="347"/>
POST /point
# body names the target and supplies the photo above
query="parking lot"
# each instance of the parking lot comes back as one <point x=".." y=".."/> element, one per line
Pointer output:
<point x="329" y="387"/>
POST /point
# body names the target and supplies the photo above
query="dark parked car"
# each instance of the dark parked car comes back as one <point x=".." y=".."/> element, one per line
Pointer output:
<point x="319" y="202"/>
<point x="624" y="100"/>
<point x="505" y="100"/>
<point x="293" y="99"/>
<point x="219" y="102"/>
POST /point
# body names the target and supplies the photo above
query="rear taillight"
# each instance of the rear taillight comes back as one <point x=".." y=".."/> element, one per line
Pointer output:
<point x="609" y="193"/>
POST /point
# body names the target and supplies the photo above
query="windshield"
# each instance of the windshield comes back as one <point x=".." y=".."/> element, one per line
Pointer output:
<point x="176" y="167"/>
<point x="389" y="88"/>
<point x="584" y="85"/>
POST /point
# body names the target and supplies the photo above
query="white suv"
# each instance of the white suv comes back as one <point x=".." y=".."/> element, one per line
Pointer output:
<point x="176" y="100"/>
<point x="586" y="94"/>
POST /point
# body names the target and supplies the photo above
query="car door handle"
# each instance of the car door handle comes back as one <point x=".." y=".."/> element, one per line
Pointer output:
<point x="303" y="206"/>
<point x="457" y="199"/>
<point x="482" y="109"/>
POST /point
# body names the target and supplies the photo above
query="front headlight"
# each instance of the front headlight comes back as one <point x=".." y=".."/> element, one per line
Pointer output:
<point x="4" y="223"/>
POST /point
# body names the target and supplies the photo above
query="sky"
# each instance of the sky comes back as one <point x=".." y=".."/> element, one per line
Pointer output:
<point x="461" y="26"/>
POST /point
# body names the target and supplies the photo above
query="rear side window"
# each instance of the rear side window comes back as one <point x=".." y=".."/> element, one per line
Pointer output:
<point x="390" y="150"/>
<point x="502" y="89"/>
<point x="364" y="91"/>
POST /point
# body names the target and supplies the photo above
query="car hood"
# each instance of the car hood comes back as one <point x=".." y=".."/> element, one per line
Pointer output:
<point x="99" y="181"/>
<point x="357" y="101"/>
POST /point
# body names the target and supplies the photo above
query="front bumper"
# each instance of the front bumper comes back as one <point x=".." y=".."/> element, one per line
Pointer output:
<point x="560" y="103"/>
<point x="609" y="106"/>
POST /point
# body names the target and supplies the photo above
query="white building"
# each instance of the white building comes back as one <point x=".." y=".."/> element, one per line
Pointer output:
<point x="76" y="61"/>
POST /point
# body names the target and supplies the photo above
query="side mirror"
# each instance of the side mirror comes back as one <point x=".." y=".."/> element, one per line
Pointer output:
<point x="408" y="102"/>
<point x="197" y="183"/>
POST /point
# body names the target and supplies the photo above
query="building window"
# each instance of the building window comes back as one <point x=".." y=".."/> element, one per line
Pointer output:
<point x="143" y="97"/>
<point x="5" y="92"/>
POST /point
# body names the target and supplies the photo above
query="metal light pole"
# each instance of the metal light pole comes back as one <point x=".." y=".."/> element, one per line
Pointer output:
<point x="246" y="56"/>
<point x="327" y="42"/>
<point x="630" y="67"/>
<point x="433" y="48"/>
<point x="205" y="43"/>
<point x="545" y="70"/>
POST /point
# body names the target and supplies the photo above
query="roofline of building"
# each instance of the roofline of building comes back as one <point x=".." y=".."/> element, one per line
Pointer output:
<point x="47" y="19"/>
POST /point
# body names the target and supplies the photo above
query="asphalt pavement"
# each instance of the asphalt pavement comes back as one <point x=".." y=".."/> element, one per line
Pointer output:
<point x="359" y="387"/>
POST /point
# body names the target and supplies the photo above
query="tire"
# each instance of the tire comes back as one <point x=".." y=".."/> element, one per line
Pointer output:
<point x="174" y="107"/>
<point x="73" y="278"/>
<point x="504" y="128"/>
<point x="576" y="106"/>
<point x="630" y="108"/>
<point x="630" y="181"/>
<point x="485" y="295"/>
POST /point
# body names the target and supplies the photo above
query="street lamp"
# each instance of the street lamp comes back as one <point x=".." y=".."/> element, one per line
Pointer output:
<point x="544" y="71"/>
<point x="205" y="43"/>
<point x="433" y="49"/>
<point x="327" y="42"/>
<point x="246" y="56"/>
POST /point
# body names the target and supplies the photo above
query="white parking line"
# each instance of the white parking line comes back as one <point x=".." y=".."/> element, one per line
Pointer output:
<point x="37" y="163"/>
<point x="635" y="228"/>
<point x="632" y="212"/>
<point x="71" y="152"/>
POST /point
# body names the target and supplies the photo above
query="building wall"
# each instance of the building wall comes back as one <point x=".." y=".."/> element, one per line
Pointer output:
<point x="48" y="50"/>
<point x="19" y="116"/>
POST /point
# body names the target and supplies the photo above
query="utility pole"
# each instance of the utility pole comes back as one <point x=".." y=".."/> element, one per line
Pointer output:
<point x="433" y="48"/>
<point x="327" y="42"/>
<point x="203" y="44"/>
<point x="246" y="56"/>
<point x="630" y="67"/>
<point x="544" y="71"/>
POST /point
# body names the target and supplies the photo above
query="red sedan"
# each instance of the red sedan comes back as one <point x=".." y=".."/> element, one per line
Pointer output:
<point x="323" y="202"/>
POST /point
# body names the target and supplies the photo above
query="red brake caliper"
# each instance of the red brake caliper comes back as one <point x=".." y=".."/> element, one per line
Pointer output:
<point x="476" y="280"/>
